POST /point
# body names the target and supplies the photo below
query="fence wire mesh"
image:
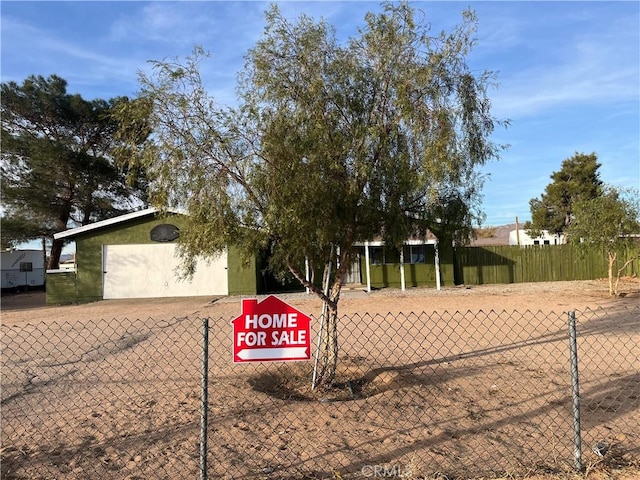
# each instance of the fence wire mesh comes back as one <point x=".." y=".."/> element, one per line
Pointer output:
<point x="416" y="395"/>
<point x="609" y="355"/>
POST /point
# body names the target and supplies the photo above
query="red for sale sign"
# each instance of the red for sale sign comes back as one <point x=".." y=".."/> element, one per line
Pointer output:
<point x="270" y="331"/>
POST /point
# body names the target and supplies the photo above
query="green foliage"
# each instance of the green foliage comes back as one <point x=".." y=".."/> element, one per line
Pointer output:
<point x="610" y="221"/>
<point x="577" y="180"/>
<point x="487" y="232"/>
<point x="577" y="204"/>
<point x="19" y="229"/>
<point x="331" y="144"/>
<point x="56" y="164"/>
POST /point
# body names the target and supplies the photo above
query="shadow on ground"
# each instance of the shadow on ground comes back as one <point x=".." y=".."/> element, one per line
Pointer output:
<point x="23" y="300"/>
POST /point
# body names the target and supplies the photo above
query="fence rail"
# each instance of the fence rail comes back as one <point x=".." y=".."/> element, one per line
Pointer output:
<point x="416" y="395"/>
<point x="510" y="264"/>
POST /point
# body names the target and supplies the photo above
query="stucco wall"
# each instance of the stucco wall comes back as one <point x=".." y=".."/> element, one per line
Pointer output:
<point x="61" y="287"/>
<point x="241" y="274"/>
<point x="89" y="256"/>
<point x="415" y="275"/>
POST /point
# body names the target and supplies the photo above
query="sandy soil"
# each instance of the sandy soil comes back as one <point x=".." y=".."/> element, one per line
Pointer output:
<point x="458" y="382"/>
<point x="544" y="296"/>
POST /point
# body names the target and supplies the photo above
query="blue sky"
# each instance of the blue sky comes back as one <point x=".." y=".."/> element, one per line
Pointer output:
<point x="569" y="72"/>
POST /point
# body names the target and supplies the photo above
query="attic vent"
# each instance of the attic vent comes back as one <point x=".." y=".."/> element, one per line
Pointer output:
<point x="164" y="233"/>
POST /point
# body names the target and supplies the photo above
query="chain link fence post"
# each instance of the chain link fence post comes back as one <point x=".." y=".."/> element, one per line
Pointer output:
<point x="419" y="394"/>
<point x="575" y="391"/>
<point x="205" y="399"/>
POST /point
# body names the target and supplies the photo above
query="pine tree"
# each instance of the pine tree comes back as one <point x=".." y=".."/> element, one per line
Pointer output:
<point x="56" y="166"/>
<point x="578" y="179"/>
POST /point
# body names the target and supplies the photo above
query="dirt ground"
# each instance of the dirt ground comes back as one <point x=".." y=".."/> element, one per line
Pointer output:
<point x="543" y="296"/>
<point x="459" y="383"/>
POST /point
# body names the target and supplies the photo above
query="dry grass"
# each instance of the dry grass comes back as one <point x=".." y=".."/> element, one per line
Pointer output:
<point x="487" y="232"/>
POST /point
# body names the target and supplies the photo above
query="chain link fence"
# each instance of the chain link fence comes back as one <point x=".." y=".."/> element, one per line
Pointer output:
<point x="442" y="395"/>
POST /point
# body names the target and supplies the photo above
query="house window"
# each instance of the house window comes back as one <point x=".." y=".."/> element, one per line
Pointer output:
<point x="536" y="242"/>
<point x="165" y="232"/>
<point x="26" y="267"/>
<point x="391" y="255"/>
<point x="377" y="255"/>
<point x="546" y="242"/>
<point x="383" y="255"/>
<point x="414" y="254"/>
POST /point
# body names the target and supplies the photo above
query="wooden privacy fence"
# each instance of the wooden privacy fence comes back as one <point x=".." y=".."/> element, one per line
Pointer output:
<point x="461" y="265"/>
<point x="511" y="264"/>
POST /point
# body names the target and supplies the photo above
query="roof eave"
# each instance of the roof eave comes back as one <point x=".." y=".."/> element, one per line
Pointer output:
<point x="73" y="232"/>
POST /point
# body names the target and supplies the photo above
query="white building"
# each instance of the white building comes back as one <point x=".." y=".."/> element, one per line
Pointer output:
<point x="520" y="237"/>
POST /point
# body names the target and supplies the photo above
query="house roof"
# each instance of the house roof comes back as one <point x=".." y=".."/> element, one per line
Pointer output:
<point x="73" y="232"/>
<point x="499" y="236"/>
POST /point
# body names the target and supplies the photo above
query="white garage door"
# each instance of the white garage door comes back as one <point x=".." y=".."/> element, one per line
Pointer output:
<point x="150" y="271"/>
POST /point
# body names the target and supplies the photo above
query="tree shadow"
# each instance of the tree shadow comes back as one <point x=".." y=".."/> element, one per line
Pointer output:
<point x="624" y="389"/>
<point x="479" y="266"/>
<point x="623" y="319"/>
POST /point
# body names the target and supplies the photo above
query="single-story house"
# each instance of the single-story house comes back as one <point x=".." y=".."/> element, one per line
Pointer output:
<point x="134" y="256"/>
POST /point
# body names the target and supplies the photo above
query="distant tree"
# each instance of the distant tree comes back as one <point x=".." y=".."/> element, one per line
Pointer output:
<point x="578" y="179"/>
<point x="486" y="232"/>
<point x="19" y="229"/>
<point x="452" y="213"/>
<point x="332" y="144"/>
<point x="57" y="170"/>
<point x="610" y="222"/>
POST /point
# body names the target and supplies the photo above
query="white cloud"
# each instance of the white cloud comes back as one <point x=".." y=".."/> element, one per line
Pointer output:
<point x="79" y="64"/>
<point x="188" y="23"/>
<point x="160" y="22"/>
<point x="597" y="67"/>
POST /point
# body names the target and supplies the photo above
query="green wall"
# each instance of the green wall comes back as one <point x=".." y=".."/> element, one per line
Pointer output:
<point x="89" y="256"/>
<point x="61" y="287"/>
<point x="241" y="273"/>
<point x="415" y="275"/>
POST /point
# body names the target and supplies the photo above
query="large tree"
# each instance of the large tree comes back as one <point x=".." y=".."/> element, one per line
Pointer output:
<point x="332" y="143"/>
<point x="57" y="170"/>
<point x="611" y="223"/>
<point x="578" y="179"/>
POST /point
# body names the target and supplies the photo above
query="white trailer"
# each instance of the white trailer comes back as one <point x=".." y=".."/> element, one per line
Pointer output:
<point x="22" y="268"/>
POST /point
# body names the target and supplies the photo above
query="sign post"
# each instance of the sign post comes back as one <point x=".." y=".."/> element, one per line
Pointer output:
<point x="270" y="331"/>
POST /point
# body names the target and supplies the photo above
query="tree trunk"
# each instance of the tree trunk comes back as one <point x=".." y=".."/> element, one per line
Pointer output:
<point x="612" y="261"/>
<point x="329" y="341"/>
<point x="619" y="273"/>
<point x="56" y="245"/>
<point x="327" y="353"/>
<point x="44" y="250"/>
<point x="86" y="217"/>
<point x="328" y="363"/>
<point x="54" y="256"/>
